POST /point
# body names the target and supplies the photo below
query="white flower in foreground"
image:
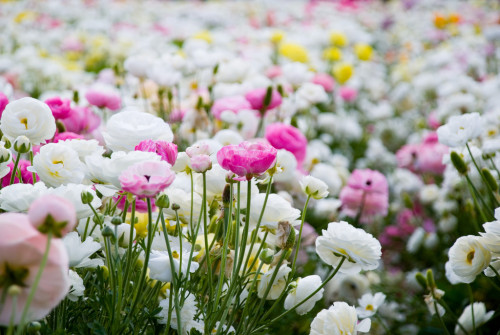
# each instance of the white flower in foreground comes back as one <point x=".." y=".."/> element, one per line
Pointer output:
<point x="361" y="249"/>
<point x="339" y="319"/>
<point x="277" y="286"/>
<point x="29" y="117"/>
<point x="160" y="266"/>
<point x="460" y="129"/>
<point x="369" y="304"/>
<point x="491" y="237"/>
<point x="127" y="129"/>
<point x="314" y="187"/>
<point x="277" y="209"/>
<point x="76" y="288"/>
<point x="188" y="312"/>
<point x="303" y="288"/>
<point x="57" y="164"/>
<point x="480" y="318"/>
<point x="79" y="252"/>
<point x="468" y="258"/>
<point x="18" y="197"/>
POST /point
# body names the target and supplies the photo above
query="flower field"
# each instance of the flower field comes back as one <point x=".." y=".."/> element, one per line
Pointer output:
<point x="250" y="167"/>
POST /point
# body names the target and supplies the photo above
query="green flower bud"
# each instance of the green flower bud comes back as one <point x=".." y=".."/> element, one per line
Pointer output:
<point x="14" y="290"/>
<point x="162" y="201"/>
<point x="116" y="220"/>
<point x="86" y="197"/>
<point x="175" y="207"/>
<point x="6" y="141"/>
<point x="4" y="155"/>
<point x="492" y="183"/>
<point x="421" y="280"/>
<point x="226" y="195"/>
<point x="33" y="327"/>
<point x="430" y="279"/>
<point x="266" y="256"/>
<point x="458" y="163"/>
<point x="107" y="232"/>
<point x="22" y="144"/>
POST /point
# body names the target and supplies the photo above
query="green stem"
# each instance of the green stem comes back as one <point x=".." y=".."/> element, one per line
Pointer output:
<point x="33" y="174"/>
<point x="13" y="172"/>
<point x="300" y="235"/>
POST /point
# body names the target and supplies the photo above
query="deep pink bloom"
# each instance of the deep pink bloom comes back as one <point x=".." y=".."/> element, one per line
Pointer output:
<point x="348" y="94"/>
<point x="26" y="175"/>
<point x="367" y="192"/>
<point x="425" y="157"/>
<point x="256" y="99"/>
<point x="22" y="248"/>
<point x="3" y="102"/>
<point x="147" y="179"/>
<point x="284" y="136"/>
<point x="81" y="120"/>
<point x="52" y="207"/>
<point x="60" y="107"/>
<point x="324" y="80"/>
<point x="233" y="104"/>
<point x="166" y="150"/>
<point x="67" y="135"/>
<point x="104" y="96"/>
<point x="247" y="159"/>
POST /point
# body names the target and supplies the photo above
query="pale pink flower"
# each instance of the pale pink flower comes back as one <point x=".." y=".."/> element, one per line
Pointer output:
<point x="21" y="252"/>
<point x="53" y="213"/>
<point x="201" y="163"/>
<point x="274" y="71"/>
<point x="60" y="107"/>
<point x="166" y="150"/>
<point x="324" y="80"/>
<point x="256" y="99"/>
<point x="348" y="94"/>
<point x="366" y="193"/>
<point x="284" y="136"/>
<point x="233" y="104"/>
<point x="104" y="96"/>
<point x="147" y="179"/>
<point x="247" y="159"/>
<point x="81" y="120"/>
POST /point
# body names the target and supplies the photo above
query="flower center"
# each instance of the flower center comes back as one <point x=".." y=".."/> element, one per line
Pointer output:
<point x="147" y="177"/>
<point x="25" y="122"/>
<point x="368" y="182"/>
<point x="175" y="254"/>
<point x="369" y="307"/>
<point x="13" y="275"/>
<point x="470" y="257"/>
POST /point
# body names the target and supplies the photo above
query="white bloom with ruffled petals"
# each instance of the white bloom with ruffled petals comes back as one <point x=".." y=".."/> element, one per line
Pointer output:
<point x="339" y="319"/>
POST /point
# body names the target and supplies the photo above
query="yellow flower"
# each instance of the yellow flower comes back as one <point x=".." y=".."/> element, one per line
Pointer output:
<point x="24" y="15"/>
<point x="332" y="54"/>
<point x="440" y="21"/>
<point x="339" y="39"/>
<point x="343" y="72"/>
<point x="363" y="51"/>
<point x="277" y="36"/>
<point x="200" y="242"/>
<point x="203" y="35"/>
<point x="294" y="52"/>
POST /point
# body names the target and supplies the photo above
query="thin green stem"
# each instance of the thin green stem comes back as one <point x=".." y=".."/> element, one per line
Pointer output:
<point x="14" y="169"/>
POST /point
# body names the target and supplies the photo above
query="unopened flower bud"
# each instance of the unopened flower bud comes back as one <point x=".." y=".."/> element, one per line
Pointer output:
<point x="22" y="144"/>
<point x="86" y="197"/>
<point x="430" y="279"/>
<point x="285" y="235"/>
<point x="175" y="207"/>
<point x="492" y="183"/>
<point x="266" y="256"/>
<point x="107" y="232"/>
<point x="226" y="195"/>
<point x="162" y="201"/>
<point x="14" y="290"/>
<point x="458" y="163"/>
<point x="4" y="155"/>
<point x="6" y="142"/>
<point x="34" y="327"/>
<point x="421" y="280"/>
<point x="116" y="221"/>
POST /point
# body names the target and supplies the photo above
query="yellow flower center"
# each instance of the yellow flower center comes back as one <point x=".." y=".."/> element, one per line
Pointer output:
<point x="470" y="257"/>
<point x="25" y="122"/>
<point x="369" y="307"/>
<point x="175" y="254"/>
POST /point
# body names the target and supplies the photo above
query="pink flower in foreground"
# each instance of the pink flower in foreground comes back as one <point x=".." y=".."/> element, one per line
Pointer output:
<point x="324" y="80"/>
<point x="104" y="96"/>
<point x="52" y="213"/>
<point x="233" y="104"/>
<point x="166" y="150"/>
<point x="257" y="96"/>
<point x="3" y="102"/>
<point x="81" y="120"/>
<point x="367" y="192"/>
<point x="283" y="136"/>
<point x="21" y="251"/>
<point x="60" y="107"/>
<point x="247" y="159"/>
<point x="147" y="179"/>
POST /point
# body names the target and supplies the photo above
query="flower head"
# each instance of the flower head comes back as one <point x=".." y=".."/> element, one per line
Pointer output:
<point x="468" y="258"/>
<point x="283" y="136"/>
<point x="147" y="179"/>
<point x="339" y="319"/>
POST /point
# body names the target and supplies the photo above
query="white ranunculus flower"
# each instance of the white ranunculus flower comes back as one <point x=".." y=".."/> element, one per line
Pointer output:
<point x="329" y="175"/>
<point x="227" y="137"/>
<point x="183" y="199"/>
<point x="277" y="209"/>
<point x="339" y="319"/>
<point x="84" y="148"/>
<point x="160" y="267"/>
<point x="460" y="129"/>
<point x="138" y="65"/>
<point x="468" y="258"/>
<point x="188" y="313"/>
<point x="79" y="252"/>
<point x="73" y="192"/>
<point x="18" y="197"/>
<point x="163" y="74"/>
<point x="314" y="187"/>
<point x="107" y="170"/>
<point x="491" y="237"/>
<point x="277" y="286"/>
<point x="5" y="157"/>
<point x="369" y="304"/>
<point x="304" y="287"/>
<point x="362" y="250"/>
<point x="57" y="164"/>
<point x="286" y="165"/>
<point x="76" y="288"/>
<point x="29" y="117"/>
<point x="125" y="130"/>
<point x="480" y="318"/>
<point x="311" y="94"/>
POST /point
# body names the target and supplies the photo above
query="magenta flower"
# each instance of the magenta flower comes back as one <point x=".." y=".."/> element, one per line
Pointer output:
<point x="67" y="135"/>
<point x="26" y="176"/>
<point x="247" y="159"/>
<point x="147" y="179"/>
<point x="233" y="104"/>
<point x="81" y="120"/>
<point x="60" y="107"/>
<point x="104" y="96"/>
<point x="166" y="150"/>
<point x="52" y="213"/>
<point x="3" y="102"/>
<point x="141" y="205"/>
<point x="324" y="80"/>
<point x="21" y="252"/>
<point x="366" y="194"/>
<point x="283" y="136"/>
<point x="257" y="96"/>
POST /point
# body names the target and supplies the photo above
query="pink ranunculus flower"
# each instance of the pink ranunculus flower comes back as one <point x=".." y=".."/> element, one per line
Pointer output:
<point x="81" y="120"/>
<point x="60" y="107"/>
<point x="141" y="205"/>
<point x="284" y="136"/>
<point x="233" y="104"/>
<point x="247" y="159"/>
<point x="348" y="94"/>
<point x="21" y="252"/>
<point x="366" y="193"/>
<point x="3" y="102"/>
<point x="324" y="80"/>
<point x="147" y="179"/>
<point x="67" y="135"/>
<point x="26" y="176"/>
<point x="166" y="150"/>
<point x="256" y="99"/>
<point x="101" y="95"/>
<point x="274" y="71"/>
<point x="52" y="213"/>
<point x="425" y="157"/>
